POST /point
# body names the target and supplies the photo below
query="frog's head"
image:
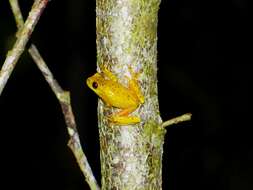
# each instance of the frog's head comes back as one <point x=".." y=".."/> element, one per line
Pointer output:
<point x="96" y="83"/>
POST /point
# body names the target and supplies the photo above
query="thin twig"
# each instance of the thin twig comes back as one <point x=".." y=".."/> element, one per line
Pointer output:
<point x="19" y="46"/>
<point x="185" y="117"/>
<point x="64" y="100"/>
<point x="17" y="13"/>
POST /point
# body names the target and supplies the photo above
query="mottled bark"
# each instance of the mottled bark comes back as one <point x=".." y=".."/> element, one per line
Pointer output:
<point x="131" y="156"/>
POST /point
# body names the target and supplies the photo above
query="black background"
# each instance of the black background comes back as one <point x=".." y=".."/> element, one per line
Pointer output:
<point x="204" y="61"/>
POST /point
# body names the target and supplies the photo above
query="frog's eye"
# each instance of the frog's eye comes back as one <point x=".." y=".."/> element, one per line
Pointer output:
<point x="94" y="85"/>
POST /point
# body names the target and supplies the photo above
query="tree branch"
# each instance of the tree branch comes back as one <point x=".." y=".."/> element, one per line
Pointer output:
<point x="185" y="117"/>
<point x="64" y="100"/>
<point x="17" y="13"/>
<point x="131" y="155"/>
<point x="19" y="46"/>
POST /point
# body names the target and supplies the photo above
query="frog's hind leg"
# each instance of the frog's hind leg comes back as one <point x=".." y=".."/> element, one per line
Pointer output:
<point x="134" y="86"/>
<point x="122" y="117"/>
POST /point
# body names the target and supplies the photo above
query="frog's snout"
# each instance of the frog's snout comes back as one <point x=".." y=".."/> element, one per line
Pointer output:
<point x="88" y="82"/>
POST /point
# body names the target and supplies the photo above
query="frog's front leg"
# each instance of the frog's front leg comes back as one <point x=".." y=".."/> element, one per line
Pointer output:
<point x="123" y="118"/>
<point x="108" y="73"/>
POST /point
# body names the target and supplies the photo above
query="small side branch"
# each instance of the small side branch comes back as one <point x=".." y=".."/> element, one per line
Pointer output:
<point x="65" y="102"/>
<point x="19" y="46"/>
<point x="185" y="117"/>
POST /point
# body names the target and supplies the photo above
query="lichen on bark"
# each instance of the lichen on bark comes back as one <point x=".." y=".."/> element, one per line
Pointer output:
<point x="131" y="156"/>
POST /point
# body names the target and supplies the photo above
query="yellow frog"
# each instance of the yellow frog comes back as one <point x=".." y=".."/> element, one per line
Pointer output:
<point x="114" y="94"/>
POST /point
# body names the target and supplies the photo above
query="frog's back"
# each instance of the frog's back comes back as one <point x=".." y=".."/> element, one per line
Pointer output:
<point x="119" y="96"/>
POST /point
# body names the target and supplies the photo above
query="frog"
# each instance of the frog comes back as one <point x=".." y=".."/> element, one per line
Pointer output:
<point x="127" y="98"/>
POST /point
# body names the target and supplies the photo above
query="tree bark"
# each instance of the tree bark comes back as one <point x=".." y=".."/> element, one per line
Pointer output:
<point x="131" y="156"/>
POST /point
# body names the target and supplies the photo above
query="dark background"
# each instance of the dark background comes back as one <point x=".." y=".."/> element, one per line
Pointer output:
<point x="204" y="62"/>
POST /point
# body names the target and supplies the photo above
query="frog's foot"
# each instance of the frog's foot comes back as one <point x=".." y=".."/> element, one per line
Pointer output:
<point x="123" y="118"/>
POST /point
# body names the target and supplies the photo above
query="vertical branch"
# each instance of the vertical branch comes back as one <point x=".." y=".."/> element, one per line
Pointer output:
<point x="131" y="155"/>
<point x="19" y="46"/>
